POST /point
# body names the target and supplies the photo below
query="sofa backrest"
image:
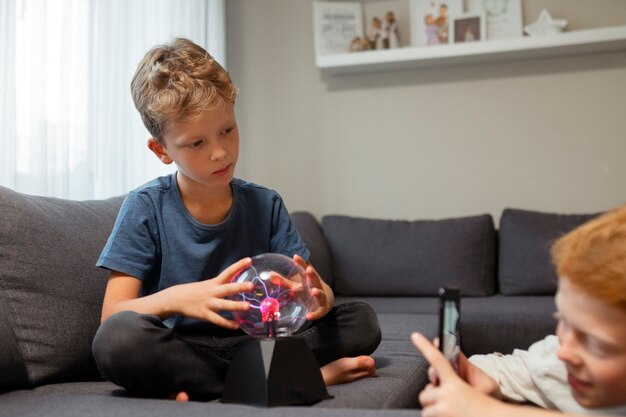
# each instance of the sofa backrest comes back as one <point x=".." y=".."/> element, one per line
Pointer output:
<point x="50" y="291"/>
<point x="362" y="257"/>
<point x="525" y="239"/>
<point x="409" y="258"/>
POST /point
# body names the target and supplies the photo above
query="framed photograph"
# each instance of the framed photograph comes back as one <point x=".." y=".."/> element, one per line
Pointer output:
<point x="469" y="27"/>
<point x="430" y="20"/>
<point x="504" y="17"/>
<point x="387" y="24"/>
<point x="338" y="27"/>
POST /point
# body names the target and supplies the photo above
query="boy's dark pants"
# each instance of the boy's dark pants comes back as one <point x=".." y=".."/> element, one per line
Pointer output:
<point x="139" y="353"/>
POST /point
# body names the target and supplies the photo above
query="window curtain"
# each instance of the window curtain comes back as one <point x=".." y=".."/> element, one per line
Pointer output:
<point x="68" y="126"/>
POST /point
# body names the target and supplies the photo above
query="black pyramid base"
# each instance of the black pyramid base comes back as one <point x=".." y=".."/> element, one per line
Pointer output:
<point x="274" y="372"/>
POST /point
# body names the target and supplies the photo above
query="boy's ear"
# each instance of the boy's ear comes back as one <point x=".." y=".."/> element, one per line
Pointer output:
<point x="159" y="150"/>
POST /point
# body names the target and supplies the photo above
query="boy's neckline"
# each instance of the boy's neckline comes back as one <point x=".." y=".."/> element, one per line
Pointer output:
<point x="194" y="214"/>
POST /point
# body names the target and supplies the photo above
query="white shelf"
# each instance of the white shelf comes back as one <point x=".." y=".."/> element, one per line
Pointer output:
<point x="566" y="43"/>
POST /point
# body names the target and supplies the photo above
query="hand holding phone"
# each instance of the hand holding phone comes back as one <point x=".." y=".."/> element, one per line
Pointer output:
<point x="449" y="319"/>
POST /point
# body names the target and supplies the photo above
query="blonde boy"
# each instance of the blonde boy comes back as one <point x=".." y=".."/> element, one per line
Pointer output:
<point x="581" y="370"/>
<point x="166" y="326"/>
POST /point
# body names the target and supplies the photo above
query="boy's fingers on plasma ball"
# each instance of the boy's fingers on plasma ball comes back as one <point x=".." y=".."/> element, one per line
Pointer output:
<point x="230" y="305"/>
<point x="314" y="315"/>
<point x="227" y="274"/>
<point x="312" y="274"/>
<point x="309" y="270"/>
<point x="318" y="294"/>
<point x="300" y="261"/>
<point x="287" y="283"/>
<point x="233" y="288"/>
<point x="221" y="321"/>
<point x="277" y="279"/>
<point x="317" y="313"/>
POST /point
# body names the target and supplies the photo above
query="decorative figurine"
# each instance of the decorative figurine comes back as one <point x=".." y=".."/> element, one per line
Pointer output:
<point x="545" y="25"/>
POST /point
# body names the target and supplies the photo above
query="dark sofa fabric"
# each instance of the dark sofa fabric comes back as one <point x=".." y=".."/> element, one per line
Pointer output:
<point x="488" y="324"/>
<point x="28" y="403"/>
<point x="50" y="291"/>
<point x="12" y="365"/>
<point x="525" y="239"/>
<point x="391" y="257"/>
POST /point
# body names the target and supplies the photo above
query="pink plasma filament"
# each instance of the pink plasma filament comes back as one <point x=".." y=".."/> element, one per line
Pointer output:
<point x="269" y="309"/>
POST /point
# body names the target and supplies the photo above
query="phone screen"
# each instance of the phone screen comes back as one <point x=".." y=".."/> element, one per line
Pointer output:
<point x="449" y="317"/>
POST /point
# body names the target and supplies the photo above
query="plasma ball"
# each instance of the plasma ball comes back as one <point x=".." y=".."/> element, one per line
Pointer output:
<point x="269" y="309"/>
<point x="280" y="300"/>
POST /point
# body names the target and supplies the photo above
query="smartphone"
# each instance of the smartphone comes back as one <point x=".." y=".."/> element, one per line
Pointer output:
<point x="449" y="320"/>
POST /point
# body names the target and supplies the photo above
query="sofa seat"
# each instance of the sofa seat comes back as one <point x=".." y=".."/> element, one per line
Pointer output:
<point x="400" y="377"/>
<point x="55" y="403"/>
<point x="497" y="323"/>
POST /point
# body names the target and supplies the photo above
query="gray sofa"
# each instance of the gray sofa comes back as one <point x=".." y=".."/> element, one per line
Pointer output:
<point x="51" y="293"/>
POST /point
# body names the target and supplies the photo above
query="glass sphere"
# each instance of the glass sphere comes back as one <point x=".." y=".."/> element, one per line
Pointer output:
<point x="280" y="300"/>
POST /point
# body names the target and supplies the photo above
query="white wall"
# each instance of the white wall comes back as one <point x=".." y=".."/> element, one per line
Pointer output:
<point x="545" y="134"/>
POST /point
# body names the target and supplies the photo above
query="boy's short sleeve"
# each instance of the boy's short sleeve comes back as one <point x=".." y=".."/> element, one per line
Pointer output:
<point x="133" y="244"/>
<point x="535" y="375"/>
<point x="285" y="238"/>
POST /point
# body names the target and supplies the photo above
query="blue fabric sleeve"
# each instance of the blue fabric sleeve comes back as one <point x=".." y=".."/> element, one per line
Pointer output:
<point x="133" y="244"/>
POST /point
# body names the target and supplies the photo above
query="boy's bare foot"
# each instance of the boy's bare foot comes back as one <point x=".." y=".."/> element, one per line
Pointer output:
<point x="182" y="396"/>
<point x="348" y="369"/>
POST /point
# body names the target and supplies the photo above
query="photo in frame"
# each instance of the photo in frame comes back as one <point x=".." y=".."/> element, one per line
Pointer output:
<point x="430" y="20"/>
<point x="504" y="17"/>
<point x="338" y="26"/>
<point x="469" y="27"/>
<point x="387" y="23"/>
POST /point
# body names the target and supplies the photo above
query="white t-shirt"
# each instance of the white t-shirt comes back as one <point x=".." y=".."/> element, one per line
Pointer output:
<point x="538" y="376"/>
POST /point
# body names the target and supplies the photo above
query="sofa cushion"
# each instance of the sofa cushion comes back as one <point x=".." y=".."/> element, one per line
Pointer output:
<point x="311" y="232"/>
<point x="401" y="373"/>
<point x="49" y="285"/>
<point x="525" y="238"/>
<point x="12" y="365"/>
<point x="390" y="257"/>
<point x="503" y="323"/>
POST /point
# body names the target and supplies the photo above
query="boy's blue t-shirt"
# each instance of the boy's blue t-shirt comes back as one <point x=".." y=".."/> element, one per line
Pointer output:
<point x="156" y="239"/>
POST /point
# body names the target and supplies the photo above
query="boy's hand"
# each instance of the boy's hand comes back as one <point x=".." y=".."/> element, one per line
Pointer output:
<point x="471" y="374"/>
<point x="477" y="378"/>
<point x="203" y="300"/>
<point x="452" y="396"/>
<point x="321" y="292"/>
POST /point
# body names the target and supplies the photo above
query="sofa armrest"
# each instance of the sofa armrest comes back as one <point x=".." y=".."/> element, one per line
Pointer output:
<point x="50" y="289"/>
<point x="311" y="232"/>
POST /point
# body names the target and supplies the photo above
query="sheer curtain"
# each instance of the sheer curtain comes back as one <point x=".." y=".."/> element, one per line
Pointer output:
<point x="68" y="127"/>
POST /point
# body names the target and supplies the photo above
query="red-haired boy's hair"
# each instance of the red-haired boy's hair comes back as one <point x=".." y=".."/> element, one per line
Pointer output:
<point x="593" y="257"/>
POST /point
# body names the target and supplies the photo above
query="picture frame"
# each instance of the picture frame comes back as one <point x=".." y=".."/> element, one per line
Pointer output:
<point x="504" y="17"/>
<point x="387" y="24"/>
<point x="430" y="20"/>
<point x="468" y="27"/>
<point x="338" y="26"/>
